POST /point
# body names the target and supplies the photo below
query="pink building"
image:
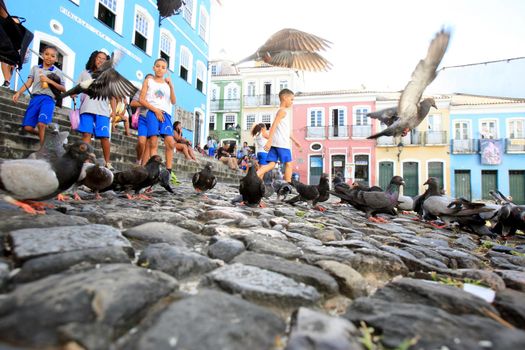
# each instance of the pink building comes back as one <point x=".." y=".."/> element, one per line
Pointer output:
<point x="332" y="128"/>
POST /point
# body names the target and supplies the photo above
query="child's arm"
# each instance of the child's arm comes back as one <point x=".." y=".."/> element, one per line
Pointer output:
<point x="145" y="103"/>
<point x="295" y="141"/>
<point x="173" y="98"/>
<point x="281" y="113"/>
<point x="24" y="87"/>
<point x="58" y="86"/>
<point x="265" y="133"/>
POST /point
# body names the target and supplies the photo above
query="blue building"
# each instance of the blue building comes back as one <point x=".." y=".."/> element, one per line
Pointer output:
<point x="78" y="27"/>
<point x="487" y="147"/>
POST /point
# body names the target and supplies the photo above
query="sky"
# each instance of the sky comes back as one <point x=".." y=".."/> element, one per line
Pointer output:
<point x="378" y="43"/>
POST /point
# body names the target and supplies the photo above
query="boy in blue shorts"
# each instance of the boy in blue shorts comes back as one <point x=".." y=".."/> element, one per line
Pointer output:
<point x="278" y="145"/>
<point x="39" y="113"/>
<point x="158" y="96"/>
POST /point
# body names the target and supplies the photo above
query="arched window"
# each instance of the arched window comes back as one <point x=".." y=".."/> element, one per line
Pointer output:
<point x="186" y="61"/>
<point x="187" y="11"/>
<point x="143" y="31"/>
<point x="167" y="48"/>
<point x="203" y="24"/>
<point x="111" y="13"/>
<point x="201" y="76"/>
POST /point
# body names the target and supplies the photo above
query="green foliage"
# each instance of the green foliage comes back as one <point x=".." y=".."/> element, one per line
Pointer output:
<point x="373" y="342"/>
<point x="300" y="213"/>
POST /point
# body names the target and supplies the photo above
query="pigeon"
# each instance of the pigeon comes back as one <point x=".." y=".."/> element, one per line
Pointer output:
<point x="41" y="179"/>
<point x="292" y="48"/>
<point x="252" y="188"/>
<point x="312" y="193"/>
<point x="168" y="8"/>
<point x="324" y="192"/>
<point x="165" y="179"/>
<point x="410" y="113"/>
<point x="96" y="177"/>
<point x="363" y="187"/>
<point x="268" y="184"/>
<point x="105" y="82"/>
<point x="204" y="180"/>
<point x="53" y="146"/>
<point x="510" y="217"/>
<point x="432" y="190"/>
<point x="342" y="190"/>
<point x="405" y="203"/>
<point x="57" y="93"/>
<point x="282" y="189"/>
<point x="375" y="202"/>
<point x="138" y="178"/>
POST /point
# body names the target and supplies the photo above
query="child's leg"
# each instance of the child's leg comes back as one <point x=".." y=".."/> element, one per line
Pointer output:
<point x="169" y="145"/>
<point x="264" y="169"/>
<point x="182" y="148"/>
<point x="41" y="132"/>
<point x="86" y="137"/>
<point x="153" y="145"/>
<point x="126" y="127"/>
<point x="146" y="155"/>
<point x="106" y="148"/>
<point x="190" y="151"/>
<point x="30" y="129"/>
<point x="141" y="145"/>
<point x="288" y="168"/>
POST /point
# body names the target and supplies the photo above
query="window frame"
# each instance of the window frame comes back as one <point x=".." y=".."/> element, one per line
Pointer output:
<point x="167" y="33"/>
<point x="224" y="121"/>
<point x="488" y="120"/>
<point x="362" y="115"/>
<point x="200" y="69"/>
<point x="213" y="117"/>
<point x="183" y="50"/>
<point x="204" y="17"/>
<point x="508" y="125"/>
<point x="150" y="29"/>
<point x="248" y="127"/>
<point x="309" y="116"/>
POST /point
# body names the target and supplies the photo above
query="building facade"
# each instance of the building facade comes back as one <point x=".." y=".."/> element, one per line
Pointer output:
<point x="332" y="128"/>
<point x="78" y="27"/>
<point x="487" y="147"/>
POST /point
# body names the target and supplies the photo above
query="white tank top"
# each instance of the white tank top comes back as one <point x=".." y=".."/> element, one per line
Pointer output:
<point x="281" y="136"/>
<point x="260" y="141"/>
<point x="158" y="95"/>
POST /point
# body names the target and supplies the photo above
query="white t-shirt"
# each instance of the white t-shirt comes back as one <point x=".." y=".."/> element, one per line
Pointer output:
<point x="158" y="95"/>
<point x="260" y="141"/>
<point x="281" y="136"/>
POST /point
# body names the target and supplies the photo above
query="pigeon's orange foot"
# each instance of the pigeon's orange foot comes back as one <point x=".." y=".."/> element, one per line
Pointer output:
<point x="416" y="219"/>
<point x="406" y="212"/>
<point x="405" y="132"/>
<point x="434" y="224"/>
<point x="262" y="205"/>
<point x="373" y="219"/>
<point x="62" y="197"/>
<point x="77" y="197"/>
<point x="129" y="196"/>
<point x="320" y="208"/>
<point x="149" y="190"/>
<point x="98" y="196"/>
<point x="143" y="197"/>
<point x="27" y="207"/>
<point x="40" y="205"/>
<point x="381" y="220"/>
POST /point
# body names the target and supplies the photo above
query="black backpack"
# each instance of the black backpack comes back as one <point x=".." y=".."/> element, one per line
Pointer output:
<point x="14" y="39"/>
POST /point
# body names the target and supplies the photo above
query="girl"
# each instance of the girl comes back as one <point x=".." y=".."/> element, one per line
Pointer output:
<point x="260" y="135"/>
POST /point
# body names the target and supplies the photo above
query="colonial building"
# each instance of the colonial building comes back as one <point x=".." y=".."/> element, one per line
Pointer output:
<point x="487" y="146"/>
<point x="78" y="27"/>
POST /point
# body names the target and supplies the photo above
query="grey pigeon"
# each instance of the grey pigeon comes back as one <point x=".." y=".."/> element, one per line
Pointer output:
<point x="375" y="202"/>
<point x="410" y="112"/>
<point x="292" y="48"/>
<point x="282" y="189"/>
<point x="53" y="146"/>
<point x="41" y="179"/>
<point x="138" y="178"/>
<point x="105" y="82"/>
<point x="455" y="210"/>
<point x="510" y="217"/>
<point x="96" y="177"/>
<point x="204" y="180"/>
<point x="268" y="185"/>
<point x="165" y="179"/>
<point x="311" y="193"/>
<point x="405" y="203"/>
<point x="252" y="188"/>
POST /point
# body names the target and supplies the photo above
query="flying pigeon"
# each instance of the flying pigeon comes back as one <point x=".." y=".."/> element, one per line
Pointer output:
<point x="204" y="180"/>
<point x="375" y="202"/>
<point x="312" y="193"/>
<point x="292" y="48"/>
<point x="41" y="179"/>
<point x="138" y="178"/>
<point x="53" y="146"/>
<point x="252" y="188"/>
<point x="105" y="82"/>
<point x="410" y="112"/>
<point x="168" y="8"/>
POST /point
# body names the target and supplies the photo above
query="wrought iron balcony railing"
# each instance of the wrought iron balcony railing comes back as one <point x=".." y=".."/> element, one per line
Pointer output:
<point x="225" y="104"/>
<point x="464" y="146"/>
<point x="261" y="100"/>
<point x="515" y="145"/>
<point x="435" y="138"/>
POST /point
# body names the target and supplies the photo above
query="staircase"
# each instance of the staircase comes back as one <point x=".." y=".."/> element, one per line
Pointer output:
<point x="15" y="145"/>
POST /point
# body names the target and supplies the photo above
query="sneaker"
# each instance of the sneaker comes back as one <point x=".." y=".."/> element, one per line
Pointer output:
<point x="6" y="84"/>
<point x="110" y="167"/>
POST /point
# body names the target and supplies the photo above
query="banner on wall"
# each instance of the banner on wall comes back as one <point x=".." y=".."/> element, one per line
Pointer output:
<point x="491" y="151"/>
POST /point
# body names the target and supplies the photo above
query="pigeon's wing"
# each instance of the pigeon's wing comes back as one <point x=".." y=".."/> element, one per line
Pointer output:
<point x="211" y="182"/>
<point x="195" y="179"/>
<point x="387" y="116"/>
<point x="375" y="200"/>
<point x="168" y="8"/>
<point x="111" y="84"/>
<point x="423" y="75"/>
<point x="164" y="180"/>
<point x="300" y="60"/>
<point x="289" y="39"/>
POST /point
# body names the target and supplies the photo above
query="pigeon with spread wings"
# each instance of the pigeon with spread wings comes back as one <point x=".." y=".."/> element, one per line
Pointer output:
<point x="168" y="8"/>
<point x="292" y="48"/>
<point x="105" y="82"/>
<point x="410" y="112"/>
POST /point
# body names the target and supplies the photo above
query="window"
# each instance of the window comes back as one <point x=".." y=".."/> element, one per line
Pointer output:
<point x="201" y="76"/>
<point x="488" y="129"/>
<point x="461" y="130"/>
<point x="203" y="24"/>
<point x="229" y="122"/>
<point x="251" y="88"/>
<point x="187" y="10"/>
<point x="360" y="117"/>
<point x="267" y="120"/>
<point x="211" y="124"/>
<point x="185" y="63"/>
<point x="283" y="84"/>
<point x="214" y="94"/>
<point x="143" y="34"/>
<point x="316" y="117"/>
<point x="107" y="12"/>
<point x="516" y="129"/>
<point x="250" y="120"/>
<point x="232" y="93"/>
<point x="213" y="69"/>
<point x="167" y="48"/>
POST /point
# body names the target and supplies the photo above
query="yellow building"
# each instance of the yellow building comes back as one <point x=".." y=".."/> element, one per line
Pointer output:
<point x="422" y="153"/>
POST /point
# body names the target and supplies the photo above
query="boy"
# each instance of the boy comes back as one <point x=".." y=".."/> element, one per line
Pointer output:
<point x="278" y="145"/>
<point x="39" y="113"/>
<point x="158" y="96"/>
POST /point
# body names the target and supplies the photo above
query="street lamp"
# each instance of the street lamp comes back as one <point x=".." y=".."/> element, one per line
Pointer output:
<point x="400" y="147"/>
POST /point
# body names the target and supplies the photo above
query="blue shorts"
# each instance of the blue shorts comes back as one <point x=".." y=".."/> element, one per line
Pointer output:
<point x="261" y="158"/>
<point x="211" y="152"/>
<point x="94" y="124"/>
<point x="40" y="110"/>
<point x="156" y="128"/>
<point x="143" y="127"/>
<point x="278" y="153"/>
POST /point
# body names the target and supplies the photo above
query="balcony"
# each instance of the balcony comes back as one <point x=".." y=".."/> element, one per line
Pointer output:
<point x="361" y="130"/>
<point x="338" y="131"/>
<point x="315" y="132"/>
<point x="466" y="146"/>
<point x="270" y="100"/>
<point x="435" y="137"/>
<point x="515" y="146"/>
<point x="225" y="105"/>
